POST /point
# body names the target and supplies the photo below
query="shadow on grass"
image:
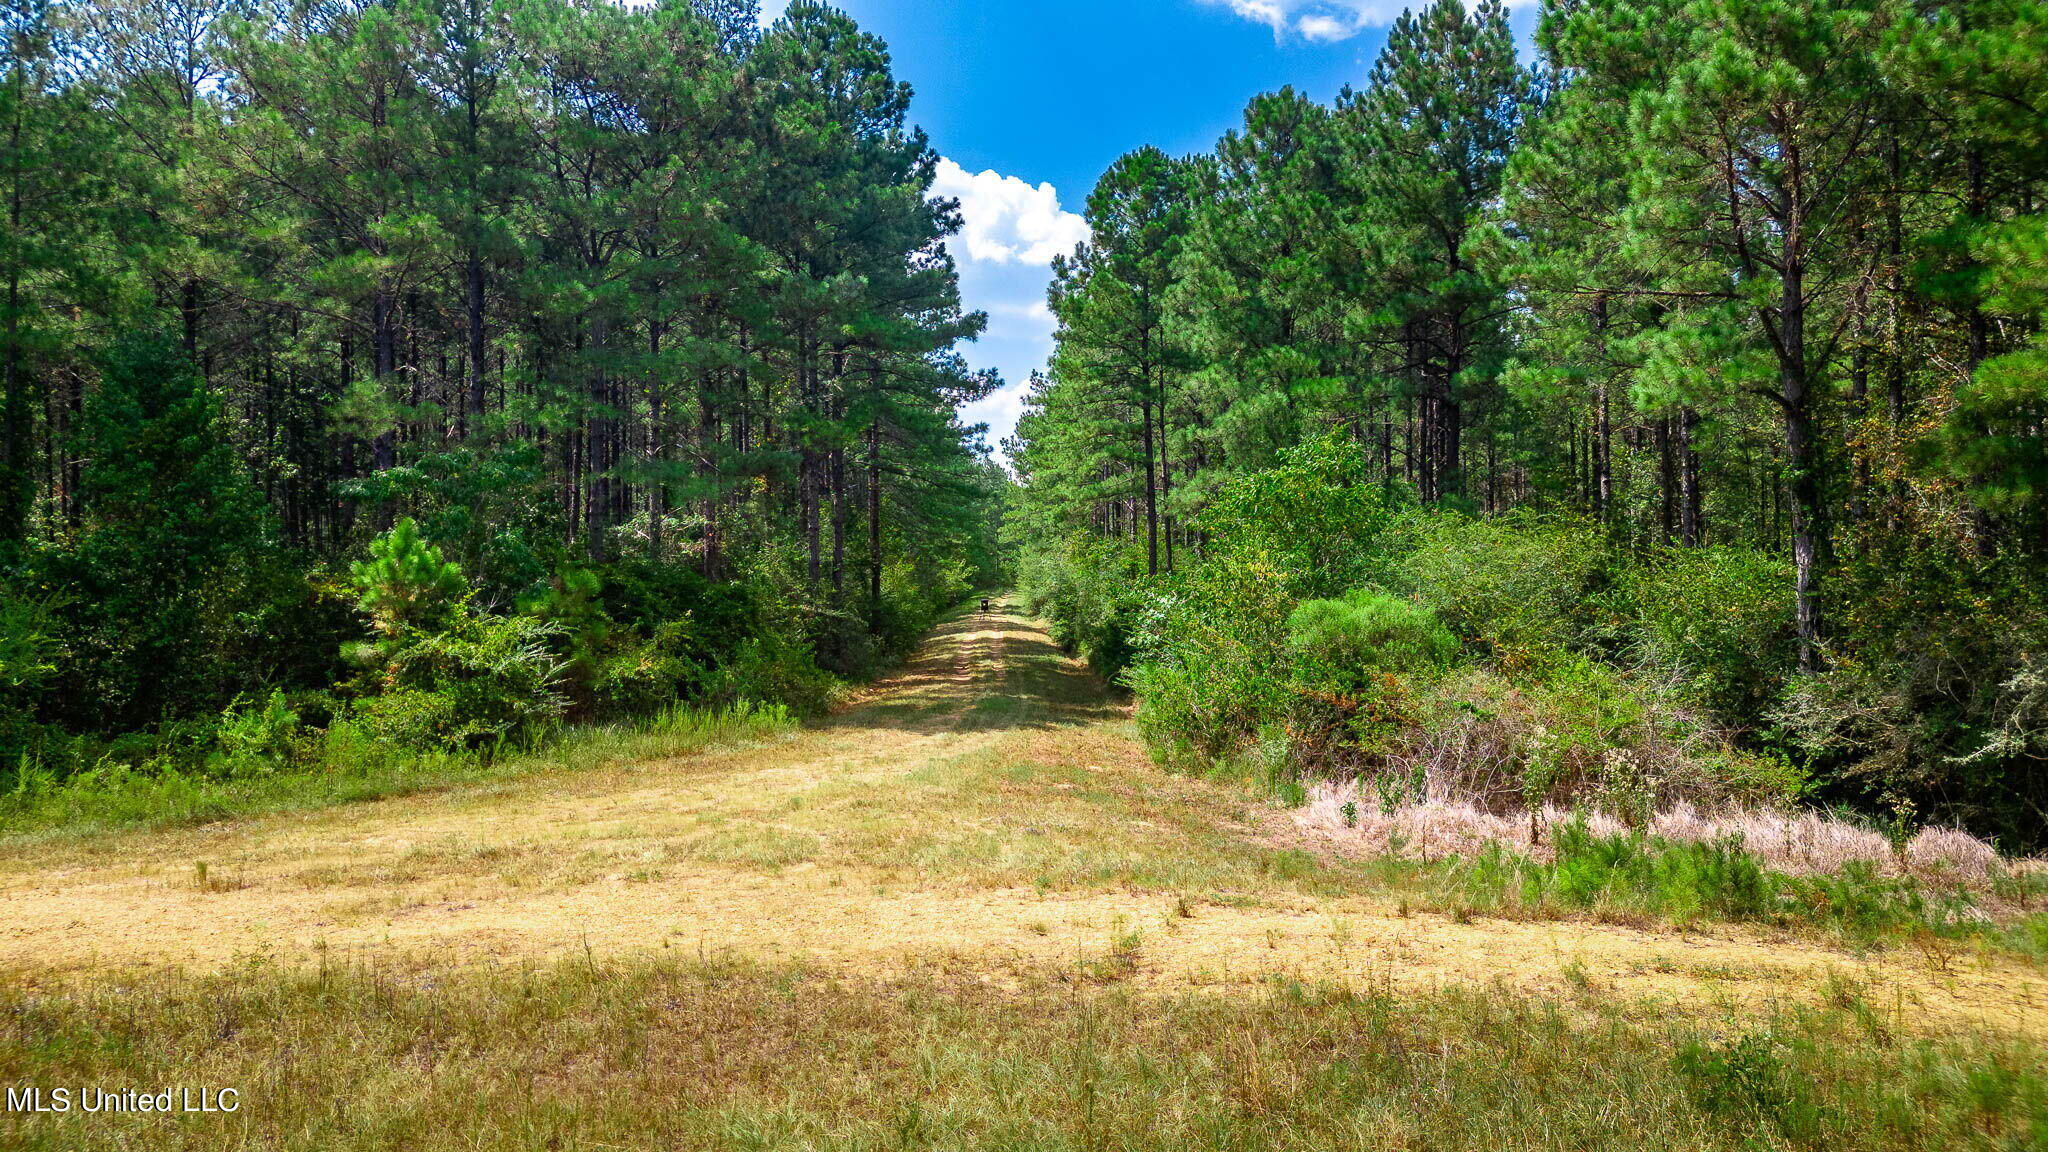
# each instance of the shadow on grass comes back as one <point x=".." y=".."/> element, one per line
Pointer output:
<point x="986" y="671"/>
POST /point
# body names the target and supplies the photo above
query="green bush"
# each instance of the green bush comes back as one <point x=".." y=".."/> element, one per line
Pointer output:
<point x="1315" y="519"/>
<point x="1523" y="586"/>
<point x="1351" y="667"/>
<point x="639" y="677"/>
<point x="1718" y="620"/>
<point x="1092" y="596"/>
<point x="28" y="647"/>
<point x="772" y="668"/>
<point x="406" y="584"/>
<point x="484" y="680"/>
<point x="1212" y="678"/>
<point x="1339" y="641"/>
<point x="254" y="737"/>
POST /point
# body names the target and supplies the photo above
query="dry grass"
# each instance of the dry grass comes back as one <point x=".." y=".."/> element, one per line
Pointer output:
<point x="965" y="914"/>
<point x="683" y="1055"/>
<point x="1801" y="843"/>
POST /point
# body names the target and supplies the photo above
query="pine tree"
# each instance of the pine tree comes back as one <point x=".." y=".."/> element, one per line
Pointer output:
<point x="171" y="520"/>
<point x="1111" y="300"/>
<point x="1429" y="138"/>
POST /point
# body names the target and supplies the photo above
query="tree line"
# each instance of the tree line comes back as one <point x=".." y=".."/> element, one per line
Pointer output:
<point x="650" y="292"/>
<point x="1762" y="276"/>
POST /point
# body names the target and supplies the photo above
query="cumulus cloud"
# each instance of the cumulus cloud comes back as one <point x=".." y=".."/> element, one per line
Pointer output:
<point x="1325" y="21"/>
<point x="1011" y="230"/>
<point x="1325" y="29"/>
<point x="1008" y="221"/>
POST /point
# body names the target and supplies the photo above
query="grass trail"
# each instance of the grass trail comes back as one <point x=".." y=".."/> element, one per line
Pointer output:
<point x="987" y="808"/>
<point x="980" y="837"/>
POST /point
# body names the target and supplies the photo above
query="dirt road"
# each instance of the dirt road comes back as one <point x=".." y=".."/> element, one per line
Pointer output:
<point x="987" y="810"/>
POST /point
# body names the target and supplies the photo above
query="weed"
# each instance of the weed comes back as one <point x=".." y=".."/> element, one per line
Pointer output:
<point x="205" y="879"/>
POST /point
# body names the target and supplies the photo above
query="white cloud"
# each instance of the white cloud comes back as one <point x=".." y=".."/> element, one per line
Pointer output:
<point x="1326" y="21"/>
<point x="1325" y="29"/>
<point x="1011" y="230"/>
<point x="772" y="10"/>
<point x="1008" y="221"/>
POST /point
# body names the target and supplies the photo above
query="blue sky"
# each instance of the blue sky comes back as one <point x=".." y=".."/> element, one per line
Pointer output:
<point x="1029" y="101"/>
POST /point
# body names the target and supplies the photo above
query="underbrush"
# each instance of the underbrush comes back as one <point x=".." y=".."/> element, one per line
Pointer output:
<point x="348" y="763"/>
<point x="433" y="672"/>
<point x="1797" y="842"/>
<point x="1331" y="628"/>
<point x="592" y="1054"/>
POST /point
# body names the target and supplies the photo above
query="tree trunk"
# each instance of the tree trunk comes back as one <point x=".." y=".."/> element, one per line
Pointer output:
<point x="875" y="520"/>
<point x="1667" y="480"/>
<point x="597" y="444"/>
<point x="1692" y="518"/>
<point x="1802" y="485"/>
<point x="1151" y="494"/>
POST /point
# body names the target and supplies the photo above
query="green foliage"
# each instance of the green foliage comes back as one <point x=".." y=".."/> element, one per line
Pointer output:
<point x="1365" y="632"/>
<point x="1685" y="379"/>
<point x="167" y="559"/>
<point x="1746" y="1080"/>
<point x="1930" y="700"/>
<point x="1683" y="883"/>
<point x="257" y="737"/>
<point x="406" y="585"/>
<point x="1524" y="587"/>
<point x="1208" y="687"/>
<point x="1088" y="594"/>
<point x="483" y="681"/>
<point x="484" y="505"/>
<point x="1314" y="518"/>
<point x="774" y="668"/>
<point x="710" y="456"/>
<point x="28" y="648"/>
<point x="346" y="762"/>
<point x="1532" y="709"/>
<point x="1719" y="620"/>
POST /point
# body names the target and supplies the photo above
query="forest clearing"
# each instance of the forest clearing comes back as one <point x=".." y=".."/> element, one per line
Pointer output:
<point x="846" y="575"/>
<point x="981" y="828"/>
<point x="985" y="811"/>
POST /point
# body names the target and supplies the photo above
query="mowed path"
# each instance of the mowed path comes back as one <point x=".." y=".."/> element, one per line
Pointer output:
<point x="988" y="810"/>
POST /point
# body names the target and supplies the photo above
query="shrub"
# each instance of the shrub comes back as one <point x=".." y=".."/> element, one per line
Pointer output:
<point x="255" y="738"/>
<point x="1091" y="595"/>
<point x="1587" y="734"/>
<point x="1213" y="639"/>
<point x="406" y="584"/>
<point x="1521" y="585"/>
<point x="639" y="677"/>
<point x="1338" y="641"/>
<point x="774" y="669"/>
<point x="1350" y="671"/>
<point x="484" y="680"/>
<point x="28" y="646"/>
<point x="1314" y="518"/>
<point x="1718" y="621"/>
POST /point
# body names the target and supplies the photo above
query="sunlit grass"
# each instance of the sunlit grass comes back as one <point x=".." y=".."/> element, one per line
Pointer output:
<point x="115" y="798"/>
<point x="681" y="1055"/>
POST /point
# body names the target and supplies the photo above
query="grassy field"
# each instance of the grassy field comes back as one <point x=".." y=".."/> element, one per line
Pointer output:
<point x="646" y="1054"/>
<point x="965" y="913"/>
